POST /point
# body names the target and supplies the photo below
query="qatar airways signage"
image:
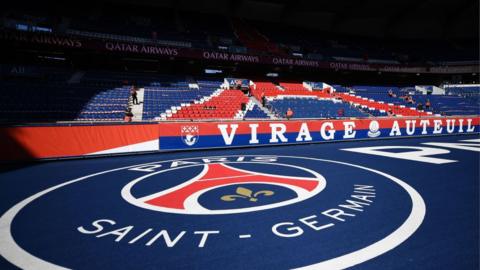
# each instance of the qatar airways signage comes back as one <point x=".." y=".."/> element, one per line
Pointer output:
<point x="208" y="135"/>
<point x="44" y="39"/>
<point x="139" y="48"/>
<point x="350" y="66"/>
<point x="295" y="62"/>
<point x="375" y="67"/>
<point x="17" y="38"/>
<point x="230" y="57"/>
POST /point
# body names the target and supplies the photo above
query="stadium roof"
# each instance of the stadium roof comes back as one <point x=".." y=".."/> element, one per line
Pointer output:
<point x="429" y="19"/>
<point x="410" y="19"/>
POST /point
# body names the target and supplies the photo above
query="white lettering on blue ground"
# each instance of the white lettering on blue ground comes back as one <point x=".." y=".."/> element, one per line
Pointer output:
<point x="354" y="203"/>
<point x="419" y="153"/>
<point x="361" y="197"/>
<point x="327" y="131"/>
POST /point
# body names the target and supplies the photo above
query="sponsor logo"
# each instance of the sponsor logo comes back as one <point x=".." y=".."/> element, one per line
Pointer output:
<point x="190" y="135"/>
<point x="373" y="129"/>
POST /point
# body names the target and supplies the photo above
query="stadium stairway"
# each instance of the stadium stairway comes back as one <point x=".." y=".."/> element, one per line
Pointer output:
<point x="269" y="114"/>
<point x="162" y="101"/>
<point x="252" y="110"/>
<point x="184" y="109"/>
<point x="137" y="110"/>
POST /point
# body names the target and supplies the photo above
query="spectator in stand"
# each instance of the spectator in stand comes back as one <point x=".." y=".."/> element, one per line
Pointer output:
<point x="133" y="92"/>
<point x="390" y="93"/>
<point x="263" y="99"/>
<point x="390" y="112"/>
<point x="289" y="113"/>
<point x="128" y="115"/>
<point x="410" y="100"/>
<point x="427" y="104"/>
<point x="420" y="106"/>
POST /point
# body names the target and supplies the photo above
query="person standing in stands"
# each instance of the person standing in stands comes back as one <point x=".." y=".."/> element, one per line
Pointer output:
<point x="390" y="112"/>
<point x="133" y="92"/>
<point x="289" y="113"/>
<point x="420" y="106"/>
<point x="390" y="93"/>
<point x="128" y="115"/>
<point x="410" y="100"/>
<point x="263" y="99"/>
<point x="427" y="104"/>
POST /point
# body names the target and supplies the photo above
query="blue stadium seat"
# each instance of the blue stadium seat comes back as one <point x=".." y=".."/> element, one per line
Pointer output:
<point x="313" y="108"/>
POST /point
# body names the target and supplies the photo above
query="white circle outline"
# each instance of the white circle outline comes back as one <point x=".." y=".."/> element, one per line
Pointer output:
<point x="19" y="257"/>
<point x="196" y="209"/>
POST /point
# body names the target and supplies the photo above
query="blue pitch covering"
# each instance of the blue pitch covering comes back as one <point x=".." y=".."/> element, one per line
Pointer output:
<point x="261" y="208"/>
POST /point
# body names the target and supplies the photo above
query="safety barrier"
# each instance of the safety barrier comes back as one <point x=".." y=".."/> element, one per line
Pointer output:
<point x="44" y="142"/>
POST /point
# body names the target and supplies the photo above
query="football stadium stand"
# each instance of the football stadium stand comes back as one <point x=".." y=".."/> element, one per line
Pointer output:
<point x="104" y="96"/>
<point x="160" y="44"/>
<point x="57" y="100"/>
<point x="161" y="101"/>
<point x="222" y="104"/>
<point x="270" y="89"/>
<point x="254" y="111"/>
<point x="314" y="108"/>
<point x="463" y="90"/>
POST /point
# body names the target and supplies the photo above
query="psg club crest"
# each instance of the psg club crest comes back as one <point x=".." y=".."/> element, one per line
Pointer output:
<point x="232" y="190"/>
<point x="374" y="129"/>
<point x="168" y="212"/>
<point x="190" y="135"/>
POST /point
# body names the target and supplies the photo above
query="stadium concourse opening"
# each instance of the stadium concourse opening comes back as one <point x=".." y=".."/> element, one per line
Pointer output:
<point x="240" y="134"/>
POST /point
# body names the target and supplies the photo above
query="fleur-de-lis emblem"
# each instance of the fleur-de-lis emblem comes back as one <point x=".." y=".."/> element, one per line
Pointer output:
<point x="245" y="193"/>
